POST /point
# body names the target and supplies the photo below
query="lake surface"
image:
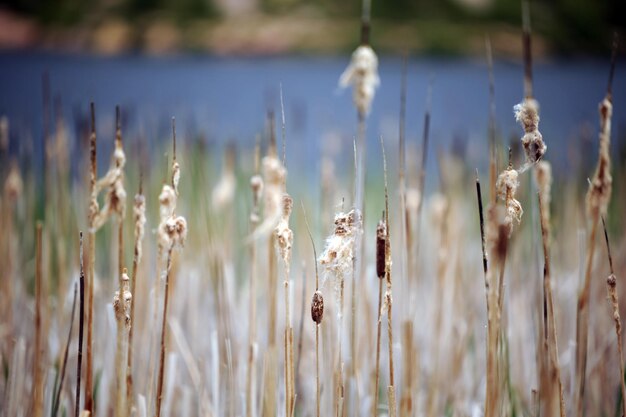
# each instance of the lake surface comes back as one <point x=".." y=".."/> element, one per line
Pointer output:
<point x="227" y="98"/>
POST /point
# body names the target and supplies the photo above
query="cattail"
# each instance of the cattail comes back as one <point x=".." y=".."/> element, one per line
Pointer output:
<point x="506" y="187"/>
<point x="139" y="216"/>
<point x="284" y="235"/>
<point x="599" y="193"/>
<point x="122" y="301"/>
<point x="337" y="258"/>
<point x="527" y="114"/>
<point x="317" y="307"/>
<point x="113" y="180"/>
<point x="362" y="74"/>
<point x="381" y="244"/>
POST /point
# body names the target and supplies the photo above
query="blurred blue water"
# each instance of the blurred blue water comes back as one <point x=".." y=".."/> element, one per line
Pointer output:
<point x="227" y="98"/>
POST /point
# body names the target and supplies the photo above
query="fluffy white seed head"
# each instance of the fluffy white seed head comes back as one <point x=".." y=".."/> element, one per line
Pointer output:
<point x="362" y="75"/>
<point x="527" y="114"/>
<point x="175" y="176"/>
<point x="337" y="258"/>
<point x="122" y="301"/>
<point x="139" y="216"/>
<point x="506" y="187"/>
<point x="284" y="235"/>
<point x="167" y="202"/>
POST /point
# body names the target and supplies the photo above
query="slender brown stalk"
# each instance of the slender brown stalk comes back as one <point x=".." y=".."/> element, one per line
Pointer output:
<point x="381" y="237"/>
<point x="91" y="244"/>
<point x="256" y="184"/>
<point x="139" y="210"/>
<point x="391" y="393"/>
<point x="57" y="397"/>
<point x="598" y="198"/>
<point x="611" y="284"/>
<point x="527" y="48"/>
<point x="492" y="124"/>
<point x="552" y="380"/>
<point x="38" y="352"/>
<point x="81" y="316"/>
<point x="160" y="380"/>
<point x="317" y="313"/>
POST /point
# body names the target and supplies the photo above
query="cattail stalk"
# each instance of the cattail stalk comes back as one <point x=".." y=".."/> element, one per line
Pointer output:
<point x="552" y="389"/>
<point x="57" y="397"/>
<point x="172" y="233"/>
<point x="391" y="390"/>
<point x="91" y="244"/>
<point x="38" y="374"/>
<point x="317" y="314"/>
<point x="161" y="377"/>
<point x="256" y="183"/>
<point x="81" y="317"/>
<point x="611" y="286"/>
<point x="139" y="215"/>
<point x="122" y="302"/>
<point x="381" y="245"/>
<point x="598" y="197"/>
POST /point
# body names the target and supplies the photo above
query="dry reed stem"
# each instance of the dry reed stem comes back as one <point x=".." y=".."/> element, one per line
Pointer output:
<point x="57" y="397"/>
<point x="553" y="388"/>
<point x="381" y="237"/>
<point x="139" y="215"/>
<point x="91" y="244"/>
<point x="598" y="198"/>
<point x="160" y="380"/>
<point x="611" y="285"/>
<point x="256" y="184"/>
<point x="317" y="314"/>
<point x="81" y="316"/>
<point x="492" y="124"/>
<point x="122" y="302"/>
<point x="38" y="379"/>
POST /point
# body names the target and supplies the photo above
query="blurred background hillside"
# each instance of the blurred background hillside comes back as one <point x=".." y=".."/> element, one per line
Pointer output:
<point x="259" y="27"/>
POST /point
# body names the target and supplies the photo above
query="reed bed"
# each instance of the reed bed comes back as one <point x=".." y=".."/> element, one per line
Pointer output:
<point x="485" y="318"/>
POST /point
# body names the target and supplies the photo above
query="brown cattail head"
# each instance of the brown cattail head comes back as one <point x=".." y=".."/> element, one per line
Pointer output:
<point x="317" y="307"/>
<point x="381" y="248"/>
<point x="139" y="215"/>
<point x="611" y="281"/>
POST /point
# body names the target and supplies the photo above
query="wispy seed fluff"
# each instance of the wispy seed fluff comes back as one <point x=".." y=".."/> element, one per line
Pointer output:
<point x="113" y="180"/>
<point x="284" y="235"/>
<point x="139" y="216"/>
<point x="506" y="187"/>
<point x="362" y="74"/>
<point x="172" y="230"/>
<point x="274" y="176"/>
<point x="527" y="114"/>
<point x="175" y="176"/>
<point x="122" y="301"/>
<point x="337" y="258"/>
<point x="599" y="193"/>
